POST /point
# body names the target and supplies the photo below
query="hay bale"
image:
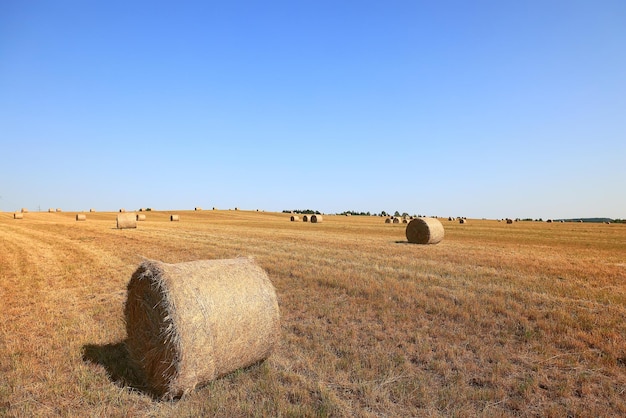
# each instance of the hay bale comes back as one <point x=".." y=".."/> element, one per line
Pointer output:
<point x="424" y="231"/>
<point x="315" y="219"/>
<point x="214" y="208"/>
<point x="174" y="218"/>
<point x="305" y="218"/>
<point x="295" y="218"/>
<point x="126" y="220"/>
<point x="388" y="220"/>
<point x="462" y="221"/>
<point x="141" y="217"/>
<point x="190" y="323"/>
<point x="92" y="210"/>
<point x="50" y="210"/>
<point x="405" y="220"/>
<point x="197" y="208"/>
<point x="122" y="210"/>
<point x="18" y="215"/>
<point x="81" y="217"/>
<point x="59" y="210"/>
<point x="24" y="210"/>
<point x="509" y="221"/>
<point x="395" y="220"/>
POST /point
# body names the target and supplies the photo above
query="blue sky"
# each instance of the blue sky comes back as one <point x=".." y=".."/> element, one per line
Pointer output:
<point x="454" y="108"/>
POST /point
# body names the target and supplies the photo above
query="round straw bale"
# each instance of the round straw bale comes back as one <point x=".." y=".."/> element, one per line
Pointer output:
<point x="388" y="220"/>
<point x="24" y="210"/>
<point x="462" y="221"/>
<point x="18" y="215"/>
<point x="395" y="220"/>
<point x="126" y="220"/>
<point x="190" y="323"/>
<point x="424" y="231"/>
<point x="141" y="217"/>
<point x="509" y="221"/>
<point x="81" y="217"/>
<point x="315" y="219"/>
<point x="295" y="218"/>
<point x="214" y="208"/>
<point x="305" y="218"/>
<point x="197" y="208"/>
<point x="405" y="220"/>
<point x="122" y="210"/>
<point x="174" y="218"/>
<point x="59" y="210"/>
<point x="50" y="210"/>
<point x="92" y="210"/>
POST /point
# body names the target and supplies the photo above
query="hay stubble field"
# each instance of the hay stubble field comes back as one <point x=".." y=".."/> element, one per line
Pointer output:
<point x="525" y="319"/>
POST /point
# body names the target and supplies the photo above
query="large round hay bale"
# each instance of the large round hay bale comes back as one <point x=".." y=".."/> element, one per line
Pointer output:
<point x="126" y="220"/>
<point x="24" y="210"/>
<point x="424" y="231"/>
<point x="190" y="323"/>
<point x="81" y="217"/>
<point x="141" y="217"/>
<point x="395" y="220"/>
<point x="18" y="215"/>
<point x="305" y="218"/>
<point x="315" y="219"/>
<point x="462" y="221"/>
<point x="174" y="218"/>
<point x="295" y="218"/>
<point x="388" y="220"/>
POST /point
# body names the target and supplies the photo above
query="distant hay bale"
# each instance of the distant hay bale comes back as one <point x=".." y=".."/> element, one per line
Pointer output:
<point x="24" y="210"/>
<point x="305" y="218"/>
<point x="315" y="219"/>
<point x="197" y="208"/>
<point x="295" y="218"/>
<point x="549" y="221"/>
<point x="174" y="218"/>
<point x="214" y="208"/>
<point x="141" y="217"/>
<point x="81" y="217"/>
<point x="424" y="231"/>
<point x="92" y="210"/>
<point x="59" y="210"/>
<point x="190" y="323"/>
<point x="405" y="220"/>
<point x="450" y="218"/>
<point x="50" y="210"/>
<point x="462" y="221"/>
<point x="122" y="210"/>
<point x="509" y="221"/>
<point x="126" y="220"/>
<point x="395" y="220"/>
<point x="18" y="215"/>
<point x="388" y="220"/>
<point x="236" y="208"/>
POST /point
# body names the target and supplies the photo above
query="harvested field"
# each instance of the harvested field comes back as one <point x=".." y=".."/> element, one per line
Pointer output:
<point x="496" y="320"/>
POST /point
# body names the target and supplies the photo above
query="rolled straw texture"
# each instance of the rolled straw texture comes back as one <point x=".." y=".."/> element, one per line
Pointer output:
<point x="18" y="215"/>
<point x="126" y="220"/>
<point x="316" y="219"/>
<point x="305" y="218"/>
<point x="141" y="217"/>
<point x="388" y="220"/>
<point x="295" y="218"/>
<point x="190" y="323"/>
<point x="81" y="217"/>
<point x="174" y="218"/>
<point x="395" y="220"/>
<point x="424" y="231"/>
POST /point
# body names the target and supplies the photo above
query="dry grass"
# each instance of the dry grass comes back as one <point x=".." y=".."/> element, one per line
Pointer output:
<point x="496" y="320"/>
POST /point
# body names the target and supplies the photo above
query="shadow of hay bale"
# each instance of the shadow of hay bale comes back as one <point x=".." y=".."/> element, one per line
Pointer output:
<point x="118" y="365"/>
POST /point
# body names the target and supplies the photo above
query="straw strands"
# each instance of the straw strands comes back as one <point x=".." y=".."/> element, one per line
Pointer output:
<point x="190" y="323"/>
<point x="424" y="231"/>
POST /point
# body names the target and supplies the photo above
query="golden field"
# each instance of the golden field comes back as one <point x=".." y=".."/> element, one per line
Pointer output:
<point x="527" y="319"/>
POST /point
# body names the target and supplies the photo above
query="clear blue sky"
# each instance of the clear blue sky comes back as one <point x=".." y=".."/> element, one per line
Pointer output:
<point x="451" y="108"/>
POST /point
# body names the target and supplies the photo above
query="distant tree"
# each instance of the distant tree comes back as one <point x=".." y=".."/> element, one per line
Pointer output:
<point x="404" y="214"/>
<point x="383" y="213"/>
<point x="396" y="213"/>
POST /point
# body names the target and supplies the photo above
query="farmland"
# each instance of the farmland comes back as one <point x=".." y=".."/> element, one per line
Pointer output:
<point x="526" y="319"/>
